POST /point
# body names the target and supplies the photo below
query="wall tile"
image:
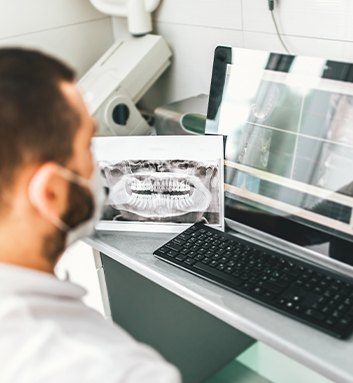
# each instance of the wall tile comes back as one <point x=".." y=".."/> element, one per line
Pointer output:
<point x="297" y="45"/>
<point x="79" y="44"/>
<point x="210" y="13"/>
<point x="328" y="19"/>
<point x="23" y="16"/>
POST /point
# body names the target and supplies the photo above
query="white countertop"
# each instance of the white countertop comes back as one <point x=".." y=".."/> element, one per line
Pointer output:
<point x="328" y="356"/>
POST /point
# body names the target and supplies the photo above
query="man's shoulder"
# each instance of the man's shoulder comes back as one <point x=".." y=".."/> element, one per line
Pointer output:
<point x="81" y="343"/>
<point x="66" y="320"/>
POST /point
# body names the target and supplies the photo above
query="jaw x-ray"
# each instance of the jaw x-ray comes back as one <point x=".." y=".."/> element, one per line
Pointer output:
<point x="154" y="190"/>
<point x="177" y="191"/>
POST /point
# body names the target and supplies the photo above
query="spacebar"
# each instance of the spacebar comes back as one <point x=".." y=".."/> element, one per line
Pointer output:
<point x="219" y="274"/>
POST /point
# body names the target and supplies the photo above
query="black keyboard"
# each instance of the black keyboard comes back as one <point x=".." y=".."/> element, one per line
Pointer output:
<point x="305" y="292"/>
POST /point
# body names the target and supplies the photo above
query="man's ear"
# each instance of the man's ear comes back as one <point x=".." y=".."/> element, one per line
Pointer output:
<point x="47" y="192"/>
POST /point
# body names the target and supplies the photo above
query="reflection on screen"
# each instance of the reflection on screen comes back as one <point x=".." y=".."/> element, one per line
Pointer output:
<point x="289" y="127"/>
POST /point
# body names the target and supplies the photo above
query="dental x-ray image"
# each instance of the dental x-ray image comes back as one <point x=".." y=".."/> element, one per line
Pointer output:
<point x="177" y="191"/>
<point x="167" y="192"/>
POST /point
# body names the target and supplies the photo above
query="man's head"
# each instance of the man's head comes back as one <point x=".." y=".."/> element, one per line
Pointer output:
<point x="44" y="124"/>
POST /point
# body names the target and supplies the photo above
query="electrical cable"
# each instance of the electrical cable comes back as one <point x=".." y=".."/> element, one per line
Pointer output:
<point x="271" y="7"/>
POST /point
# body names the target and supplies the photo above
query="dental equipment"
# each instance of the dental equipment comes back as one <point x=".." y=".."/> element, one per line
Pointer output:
<point x="118" y="81"/>
<point x="138" y="13"/>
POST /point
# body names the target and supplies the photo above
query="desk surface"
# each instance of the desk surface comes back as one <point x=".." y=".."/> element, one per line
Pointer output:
<point x="328" y="356"/>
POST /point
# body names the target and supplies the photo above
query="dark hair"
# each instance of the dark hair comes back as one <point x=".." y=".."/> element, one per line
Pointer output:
<point x="37" y="123"/>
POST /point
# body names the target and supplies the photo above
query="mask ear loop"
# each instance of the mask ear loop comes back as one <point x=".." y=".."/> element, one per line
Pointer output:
<point x="36" y="184"/>
<point x="73" y="177"/>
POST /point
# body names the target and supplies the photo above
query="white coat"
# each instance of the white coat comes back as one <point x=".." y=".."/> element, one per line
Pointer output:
<point x="47" y="335"/>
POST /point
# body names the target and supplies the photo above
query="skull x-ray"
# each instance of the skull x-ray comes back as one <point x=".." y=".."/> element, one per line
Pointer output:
<point x="176" y="191"/>
<point x="146" y="188"/>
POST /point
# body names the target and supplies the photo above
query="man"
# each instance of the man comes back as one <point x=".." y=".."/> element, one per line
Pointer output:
<point x="47" y="191"/>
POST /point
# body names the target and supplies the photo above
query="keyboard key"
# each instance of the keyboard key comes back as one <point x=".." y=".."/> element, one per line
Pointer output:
<point x="337" y="315"/>
<point x="268" y="295"/>
<point x="218" y="274"/>
<point x="298" y="308"/>
<point x="342" y="308"/>
<point x="272" y="287"/>
<point x="189" y="261"/>
<point x="343" y="324"/>
<point x="315" y="314"/>
<point x="325" y="310"/>
<point x="160" y="251"/>
<point x="279" y="282"/>
<point x="178" y="241"/>
<point x="258" y="291"/>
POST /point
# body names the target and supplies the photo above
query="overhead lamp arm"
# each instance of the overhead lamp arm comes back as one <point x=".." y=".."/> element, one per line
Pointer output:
<point x="138" y="12"/>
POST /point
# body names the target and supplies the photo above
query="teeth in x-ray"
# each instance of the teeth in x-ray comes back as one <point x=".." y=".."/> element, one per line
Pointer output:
<point x="160" y="194"/>
<point x="158" y="186"/>
<point x="160" y="201"/>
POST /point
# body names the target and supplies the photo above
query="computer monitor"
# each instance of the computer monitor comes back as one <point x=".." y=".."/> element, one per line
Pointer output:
<point x="288" y="127"/>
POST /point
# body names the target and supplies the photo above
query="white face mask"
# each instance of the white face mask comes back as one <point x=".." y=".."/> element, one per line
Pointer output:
<point x="95" y="185"/>
<point x="84" y="229"/>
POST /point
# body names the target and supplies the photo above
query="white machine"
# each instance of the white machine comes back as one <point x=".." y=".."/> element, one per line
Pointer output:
<point x="119" y="79"/>
<point x="137" y="12"/>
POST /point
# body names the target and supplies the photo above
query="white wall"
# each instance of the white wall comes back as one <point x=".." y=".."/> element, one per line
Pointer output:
<point x="70" y="29"/>
<point x="194" y="28"/>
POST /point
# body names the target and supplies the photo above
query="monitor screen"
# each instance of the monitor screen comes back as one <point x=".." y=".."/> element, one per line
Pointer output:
<point x="288" y="123"/>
